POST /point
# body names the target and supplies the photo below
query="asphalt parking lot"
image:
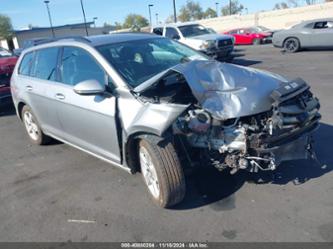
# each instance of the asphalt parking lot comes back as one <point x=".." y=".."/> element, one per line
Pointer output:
<point x="57" y="193"/>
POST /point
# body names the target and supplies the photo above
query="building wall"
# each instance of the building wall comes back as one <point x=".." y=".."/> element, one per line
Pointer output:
<point x="277" y="19"/>
<point x="47" y="33"/>
<point x="4" y="44"/>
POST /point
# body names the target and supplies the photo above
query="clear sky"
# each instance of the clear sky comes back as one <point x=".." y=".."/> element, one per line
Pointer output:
<point x="24" y="12"/>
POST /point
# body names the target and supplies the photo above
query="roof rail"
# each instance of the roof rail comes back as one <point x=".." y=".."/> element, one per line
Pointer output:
<point x="74" y="38"/>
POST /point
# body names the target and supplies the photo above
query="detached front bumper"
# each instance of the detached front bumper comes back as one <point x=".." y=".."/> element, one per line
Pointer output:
<point x="294" y="146"/>
<point x="295" y="118"/>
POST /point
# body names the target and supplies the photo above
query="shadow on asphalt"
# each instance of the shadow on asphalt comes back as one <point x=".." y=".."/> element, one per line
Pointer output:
<point x="207" y="186"/>
<point x="237" y="54"/>
<point x="312" y="50"/>
<point x="245" y="62"/>
<point x="7" y="110"/>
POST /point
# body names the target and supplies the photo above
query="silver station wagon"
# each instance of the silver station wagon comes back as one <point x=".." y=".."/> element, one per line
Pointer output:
<point x="152" y="105"/>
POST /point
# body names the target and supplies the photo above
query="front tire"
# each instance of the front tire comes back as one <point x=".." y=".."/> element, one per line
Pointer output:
<point x="291" y="45"/>
<point x="161" y="171"/>
<point x="32" y="127"/>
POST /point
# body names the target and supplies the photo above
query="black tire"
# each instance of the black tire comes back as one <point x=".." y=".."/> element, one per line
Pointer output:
<point x="291" y="45"/>
<point x="169" y="172"/>
<point x="256" y="42"/>
<point x="37" y="136"/>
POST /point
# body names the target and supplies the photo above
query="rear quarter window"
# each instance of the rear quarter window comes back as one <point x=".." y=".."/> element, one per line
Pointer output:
<point x="25" y="65"/>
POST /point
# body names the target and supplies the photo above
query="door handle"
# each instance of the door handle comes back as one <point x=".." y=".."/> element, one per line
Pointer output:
<point x="29" y="88"/>
<point x="60" y="96"/>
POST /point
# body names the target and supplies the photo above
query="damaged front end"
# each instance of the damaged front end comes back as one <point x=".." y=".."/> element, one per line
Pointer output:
<point x="238" y="118"/>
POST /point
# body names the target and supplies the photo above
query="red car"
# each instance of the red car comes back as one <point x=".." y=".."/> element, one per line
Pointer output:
<point x="253" y="35"/>
<point x="7" y="64"/>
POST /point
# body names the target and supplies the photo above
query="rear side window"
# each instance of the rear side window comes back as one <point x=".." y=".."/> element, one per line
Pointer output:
<point x="45" y="64"/>
<point x="78" y="65"/>
<point x="158" y="31"/>
<point x="25" y="65"/>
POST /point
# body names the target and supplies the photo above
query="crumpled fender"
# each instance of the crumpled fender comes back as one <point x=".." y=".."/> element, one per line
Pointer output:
<point x="138" y="117"/>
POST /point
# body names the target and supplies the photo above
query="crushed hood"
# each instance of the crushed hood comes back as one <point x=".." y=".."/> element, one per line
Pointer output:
<point x="225" y="90"/>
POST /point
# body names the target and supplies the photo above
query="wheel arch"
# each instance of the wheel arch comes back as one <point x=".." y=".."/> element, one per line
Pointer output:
<point x="294" y="37"/>
<point x="130" y="146"/>
<point x="20" y="106"/>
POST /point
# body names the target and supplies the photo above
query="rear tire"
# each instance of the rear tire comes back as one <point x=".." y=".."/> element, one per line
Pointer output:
<point x="291" y="45"/>
<point x="161" y="171"/>
<point x="32" y="127"/>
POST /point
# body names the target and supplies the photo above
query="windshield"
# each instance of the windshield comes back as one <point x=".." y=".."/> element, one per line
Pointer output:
<point x="137" y="61"/>
<point x="193" y="30"/>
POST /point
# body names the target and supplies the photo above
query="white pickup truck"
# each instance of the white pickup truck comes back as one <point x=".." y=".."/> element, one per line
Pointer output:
<point x="199" y="38"/>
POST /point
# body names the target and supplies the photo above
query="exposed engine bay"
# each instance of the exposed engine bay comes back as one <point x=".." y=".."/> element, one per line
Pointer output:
<point x="239" y="125"/>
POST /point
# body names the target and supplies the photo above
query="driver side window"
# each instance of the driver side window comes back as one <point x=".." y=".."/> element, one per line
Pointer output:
<point x="78" y="65"/>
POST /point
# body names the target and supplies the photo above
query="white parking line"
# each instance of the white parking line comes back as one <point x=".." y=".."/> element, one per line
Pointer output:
<point x="82" y="221"/>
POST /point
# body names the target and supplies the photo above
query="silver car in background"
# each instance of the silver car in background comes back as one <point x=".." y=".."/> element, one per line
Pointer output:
<point x="308" y="34"/>
<point x="150" y="104"/>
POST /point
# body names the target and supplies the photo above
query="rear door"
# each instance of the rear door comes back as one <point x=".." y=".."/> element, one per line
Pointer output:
<point x="88" y="121"/>
<point x="38" y="72"/>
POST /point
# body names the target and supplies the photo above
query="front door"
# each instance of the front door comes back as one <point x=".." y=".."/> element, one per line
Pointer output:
<point x="88" y="121"/>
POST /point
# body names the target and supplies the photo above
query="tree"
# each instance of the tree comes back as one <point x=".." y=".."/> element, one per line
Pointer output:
<point x="118" y="25"/>
<point x="310" y="2"/>
<point x="210" y="13"/>
<point x="5" y="27"/>
<point x="191" y="11"/>
<point x="297" y="3"/>
<point x="281" y="6"/>
<point x="134" y="20"/>
<point x="236" y="8"/>
<point x="170" y="19"/>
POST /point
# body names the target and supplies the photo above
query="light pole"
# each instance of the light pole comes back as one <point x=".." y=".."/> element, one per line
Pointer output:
<point x="84" y="18"/>
<point x="174" y="11"/>
<point x="149" y="6"/>
<point x="156" y="18"/>
<point x="230" y="7"/>
<point x="95" y="18"/>
<point x="48" y="11"/>
<point x="217" y="9"/>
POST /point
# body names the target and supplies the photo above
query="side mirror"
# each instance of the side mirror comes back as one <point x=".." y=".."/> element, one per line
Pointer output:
<point x="175" y="37"/>
<point x="89" y="87"/>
